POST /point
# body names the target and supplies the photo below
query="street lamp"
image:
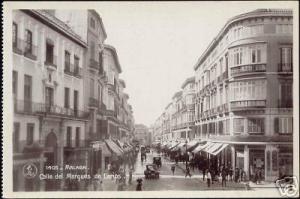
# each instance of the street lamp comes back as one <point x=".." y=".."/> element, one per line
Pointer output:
<point x="186" y="158"/>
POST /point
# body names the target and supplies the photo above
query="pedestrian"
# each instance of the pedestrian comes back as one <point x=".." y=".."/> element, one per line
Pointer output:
<point x="203" y="172"/>
<point x="231" y="173"/>
<point x="130" y="176"/>
<point x="243" y="176"/>
<point x="139" y="185"/>
<point x="259" y="175"/>
<point x="223" y="174"/>
<point x="173" y="168"/>
<point x="188" y="172"/>
<point x="208" y="178"/>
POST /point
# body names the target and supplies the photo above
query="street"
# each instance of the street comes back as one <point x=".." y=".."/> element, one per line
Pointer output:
<point x="167" y="181"/>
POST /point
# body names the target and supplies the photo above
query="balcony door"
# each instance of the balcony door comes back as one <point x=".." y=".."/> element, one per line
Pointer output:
<point x="27" y="93"/>
<point x="75" y="102"/>
<point x="49" y="98"/>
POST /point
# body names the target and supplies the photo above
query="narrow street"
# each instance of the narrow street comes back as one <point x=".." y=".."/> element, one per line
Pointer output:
<point x="167" y="181"/>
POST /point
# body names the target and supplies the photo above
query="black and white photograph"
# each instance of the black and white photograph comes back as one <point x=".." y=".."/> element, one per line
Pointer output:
<point x="150" y="99"/>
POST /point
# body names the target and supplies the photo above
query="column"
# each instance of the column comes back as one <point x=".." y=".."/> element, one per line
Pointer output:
<point x="233" y="159"/>
<point x="246" y="161"/>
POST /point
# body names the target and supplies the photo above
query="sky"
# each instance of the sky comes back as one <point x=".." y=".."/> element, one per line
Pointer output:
<point x="158" y="44"/>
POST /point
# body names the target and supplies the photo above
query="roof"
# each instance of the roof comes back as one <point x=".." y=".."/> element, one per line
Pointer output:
<point x="177" y="94"/>
<point x="187" y="81"/>
<point x="113" y="50"/>
<point x="122" y="82"/>
<point x="56" y="24"/>
<point x="255" y="13"/>
<point x="100" y="20"/>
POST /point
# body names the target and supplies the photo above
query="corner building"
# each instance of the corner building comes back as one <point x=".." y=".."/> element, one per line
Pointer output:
<point x="244" y="98"/>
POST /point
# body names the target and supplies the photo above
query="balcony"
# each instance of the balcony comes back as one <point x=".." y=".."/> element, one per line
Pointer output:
<point x="93" y="102"/>
<point x="248" y="69"/>
<point x="17" y="46"/>
<point x="29" y="107"/>
<point x="73" y="71"/>
<point x="30" y="51"/>
<point x="94" y="64"/>
<point x="285" y="67"/>
<point x="22" y="48"/>
<point x="51" y="62"/>
<point x="288" y="103"/>
<point x="247" y="104"/>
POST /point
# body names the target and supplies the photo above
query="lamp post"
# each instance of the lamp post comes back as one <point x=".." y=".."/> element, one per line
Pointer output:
<point x="186" y="158"/>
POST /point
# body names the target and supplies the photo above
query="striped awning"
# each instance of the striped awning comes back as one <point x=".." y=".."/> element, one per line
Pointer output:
<point x="114" y="147"/>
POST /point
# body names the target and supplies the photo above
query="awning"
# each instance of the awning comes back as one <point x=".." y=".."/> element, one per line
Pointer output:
<point x="200" y="147"/>
<point x="105" y="151"/>
<point x="213" y="147"/>
<point x="219" y="149"/>
<point x="192" y="143"/>
<point x="114" y="147"/>
<point x="174" y="144"/>
<point x="178" y="146"/>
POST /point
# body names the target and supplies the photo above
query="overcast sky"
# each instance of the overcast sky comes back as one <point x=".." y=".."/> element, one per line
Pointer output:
<point x="158" y="44"/>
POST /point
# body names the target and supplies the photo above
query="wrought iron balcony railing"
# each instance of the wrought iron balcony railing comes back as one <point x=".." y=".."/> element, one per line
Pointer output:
<point x="247" y="104"/>
<point x="29" y="107"/>
<point x="51" y="61"/>
<point x="285" y="67"/>
<point x="247" y="69"/>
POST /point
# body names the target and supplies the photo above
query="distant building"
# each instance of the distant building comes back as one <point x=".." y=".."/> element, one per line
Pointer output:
<point x="142" y="134"/>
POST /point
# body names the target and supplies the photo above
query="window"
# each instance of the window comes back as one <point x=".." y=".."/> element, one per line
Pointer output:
<point x="92" y="88"/>
<point x="77" y="143"/>
<point x="69" y="136"/>
<point x="237" y="56"/>
<point x="249" y="90"/>
<point x="75" y="101"/>
<point x="238" y="124"/>
<point x="286" y="59"/>
<point x="284" y="28"/>
<point x="15" y="84"/>
<point x="255" y="55"/>
<point x="92" y="23"/>
<point x="284" y="125"/>
<point x="67" y="61"/>
<point x="49" y="98"/>
<point x="15" y="34"/>
<point x="16" y="137"/>
<point x="76" y="64"/>
<point x="27" y="92"/>
<point x="285" y="95"/>
<point x="274" y="160"/>
<point x="258" y="29"/>
<point x="30" y="131"/>
<point x="92" y="50"/>
<point x="28" y="41"/>
<point x="256" y="125"/>
<point x="67" y="97"/>
<point x="101" y="63"/>
<point x="49" y="52"/>
<point x="182" y="134"/>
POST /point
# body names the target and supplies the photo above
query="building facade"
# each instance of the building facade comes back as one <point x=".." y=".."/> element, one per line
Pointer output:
<point x="244" y="100"/>
<point x="69" y="103"/>
<point x="49" y="119"/>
